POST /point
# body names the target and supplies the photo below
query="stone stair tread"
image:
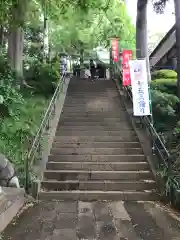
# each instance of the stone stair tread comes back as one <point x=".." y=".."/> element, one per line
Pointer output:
<point x="94" y="151"/>
<point x="100" y="181"/>
<point x="96" y="148"/>
<point x="100" y="195"/>
<point x="94" y="138"/>
<point x="86" y="171"/>
<point x="97" y="158"/>
<point x="115" y="166"/>
<point x="100" y="163"/>
<point x="95" y="144"/>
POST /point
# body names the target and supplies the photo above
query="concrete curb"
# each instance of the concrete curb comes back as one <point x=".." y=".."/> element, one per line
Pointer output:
<point x="12" y="202"/>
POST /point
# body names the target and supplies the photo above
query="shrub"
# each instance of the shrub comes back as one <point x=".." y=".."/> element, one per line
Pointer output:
<point x="164" y="109"/>
<point x="9" y="95"/>
<point x="17" y="133"/>
<point x="164" y="73"/>
<point x="43" y="77"/>
<point x="165" y="85"/>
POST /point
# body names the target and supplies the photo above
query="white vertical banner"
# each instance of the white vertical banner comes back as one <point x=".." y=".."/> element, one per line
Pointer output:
<point x="140" y="90"/>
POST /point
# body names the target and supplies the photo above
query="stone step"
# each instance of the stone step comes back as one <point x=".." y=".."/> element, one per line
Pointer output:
<point x="99" y="195"/>
<point x="96" y="145"/>
<point x="89" y="101"/>
<point x="92" y="107"/>
<point x="94" y="128"/>
<point x="95" y="151"/>
<point x="94" y="124"/>
<point x="98" y="166"/>
<point x="69" y="132"/>
<point x="94" y="118"/>
<point x="97" y="158"/>
<point x="92" y="96"/>
<point x="77" y="138"/>
<point x="98" y="185"/>
<point x="63" y="175"/>
<point x="89" y="109"/>
<point x="98" y="115"/>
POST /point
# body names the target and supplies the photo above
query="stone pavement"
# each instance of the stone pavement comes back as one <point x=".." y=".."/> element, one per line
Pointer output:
<point x="95" y="220"/>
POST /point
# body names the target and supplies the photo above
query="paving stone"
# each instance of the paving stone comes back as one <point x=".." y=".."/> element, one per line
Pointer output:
<point x="86" y="227"/>
<point x="85" y="209"/>
<point x="101" y="211"/>
<point x="64" y="234"/>
<point x="66" y="220"/>
<point x="66" y="207"/>
<point x="118" y="210"/>
<point x="126" y="230"/>
<point x="107" y="231"/>
<point x="48" y="221"/>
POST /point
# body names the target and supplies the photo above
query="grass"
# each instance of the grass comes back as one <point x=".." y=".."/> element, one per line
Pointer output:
<point x="17" y="132"/>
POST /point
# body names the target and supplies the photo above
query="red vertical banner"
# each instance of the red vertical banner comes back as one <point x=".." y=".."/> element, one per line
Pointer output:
<point x="115" y="49"/>
<point x="126" y="56"/>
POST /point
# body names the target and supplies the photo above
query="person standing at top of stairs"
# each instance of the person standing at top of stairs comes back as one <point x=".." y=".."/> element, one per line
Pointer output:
<point x="92" y="69"/>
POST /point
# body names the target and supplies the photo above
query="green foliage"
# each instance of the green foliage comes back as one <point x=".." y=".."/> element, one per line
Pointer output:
<point x="33" y="42"/>
<point x="77" y="31"/>
<point x="164" y="109"/>
<point x="10" y="97"/>
<point x="171" y="184"/>
<point x="43" y="77"/>
<point x="17" y="132"/>
<point x="164" y="73"/>
<point x="164" y="99"/>
<point x="166" y="85"/>
<point x="5" y="67"/>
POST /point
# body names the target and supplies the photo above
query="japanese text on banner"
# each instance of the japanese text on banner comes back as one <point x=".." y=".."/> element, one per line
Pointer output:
<point x="115" y="50"/>
<point x="140" y="90"/>
<point x="126" y="56"/>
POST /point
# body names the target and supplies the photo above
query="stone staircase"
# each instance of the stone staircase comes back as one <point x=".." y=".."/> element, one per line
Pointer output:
<point x="96" y="154"/>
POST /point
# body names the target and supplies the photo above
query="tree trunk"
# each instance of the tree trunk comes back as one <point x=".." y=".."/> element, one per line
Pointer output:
<point x="141" y="30"/>
<point x="15" y="51"/>
<point x="1" y="36"/>
<point x="177" y="14"/>
<point x="46" y="40"/>
<point x="16" y="38"/>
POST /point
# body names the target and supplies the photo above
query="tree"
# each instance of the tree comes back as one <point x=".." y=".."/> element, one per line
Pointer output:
<point x="16" y="36"/>
<point x="141" y="29"/>
<point x="72" y="35"/>
<point x="14" y="16"/>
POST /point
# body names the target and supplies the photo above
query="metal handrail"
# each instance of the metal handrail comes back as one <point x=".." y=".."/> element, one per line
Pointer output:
<point x="36" y="145"/>
<point x="159" y="147"/>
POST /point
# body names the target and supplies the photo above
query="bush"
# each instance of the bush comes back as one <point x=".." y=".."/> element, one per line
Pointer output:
<point x="164" y="73"/>
<point x="17" y="133"/>
<point x="43" y="77"/>
<point x="9" y="95"/>
<point x="165" y="85"/>
<point x="164" y="109"/>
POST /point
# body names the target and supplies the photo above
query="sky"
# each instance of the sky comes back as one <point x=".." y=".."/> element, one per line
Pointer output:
<point x="157" y="23"/>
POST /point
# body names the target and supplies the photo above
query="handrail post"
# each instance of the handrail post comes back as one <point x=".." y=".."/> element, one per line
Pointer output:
<point x="27" y="175"/>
